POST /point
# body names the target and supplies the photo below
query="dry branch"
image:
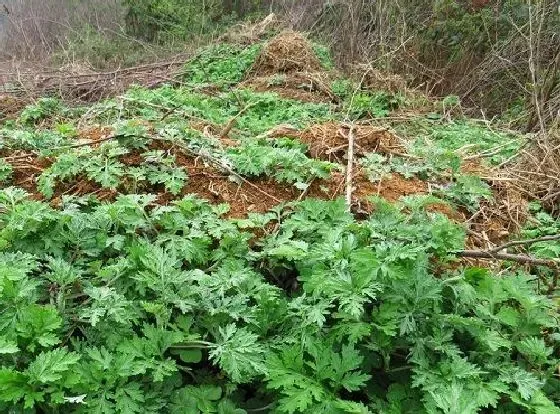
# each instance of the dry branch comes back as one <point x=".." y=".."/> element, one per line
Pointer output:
<point x="519" y="258"/>
<point x="524" y="242"/>
<point x="350" y="166"/>
<point x="227" y="129"/>
<point x="90" y="85"/>
<point x="554" y="265"/>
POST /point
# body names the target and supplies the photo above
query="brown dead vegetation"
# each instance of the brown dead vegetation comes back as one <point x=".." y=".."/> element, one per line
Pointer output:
<point x="301" y="86"/>
<point x="288" y="66"/>
<point x="248" y="33"/>
<point x="373" y="79"/>
<point x="80" y="84"/>
<point x="11" y="106"/>
<point x="329" y="141"/>
<point x="287" y="52"/>
<point x="500" y="218"/>
<point x="538" y="171"/>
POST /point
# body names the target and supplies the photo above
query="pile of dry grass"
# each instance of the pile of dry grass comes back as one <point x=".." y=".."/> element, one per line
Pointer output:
<point x="288" y="66"/>
<point x="500" y="218"/>
<point x="329" y="140"/>
<point x="374" y="79"/>
<point x="287" y="52"/>
<point x="248" y="33"/>
<point x="538" y="171"/>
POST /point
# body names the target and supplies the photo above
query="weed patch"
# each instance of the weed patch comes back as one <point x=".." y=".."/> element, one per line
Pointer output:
<point x="188" y="249"/>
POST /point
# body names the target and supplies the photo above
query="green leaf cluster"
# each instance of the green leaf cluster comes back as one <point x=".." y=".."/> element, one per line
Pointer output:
<point x="42" y="109"/>
<point x="285" y="161"/>
<point x="124" y="307"/>
<point x="220" y="64"/>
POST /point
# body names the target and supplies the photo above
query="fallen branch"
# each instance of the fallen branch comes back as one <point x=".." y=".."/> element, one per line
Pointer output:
<point x="519" y="258"/>
<point x="554" y="265"/>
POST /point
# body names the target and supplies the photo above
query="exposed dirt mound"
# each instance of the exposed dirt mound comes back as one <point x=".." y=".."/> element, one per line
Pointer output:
<point x="288" y="52"/>
<point x="10" y="106"/>
<point x="391" y="188"/>
<point x="206" y="181"/>
<point x="95" y="133"/>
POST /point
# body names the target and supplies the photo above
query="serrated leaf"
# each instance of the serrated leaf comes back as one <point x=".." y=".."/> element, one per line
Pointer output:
<point x="13" y="385"/>
<point x="494" y="340"/>
<point x="508" y="316"/>
<point x="7" y="346"/>
<point x="48" y="366"/>
<point x="527" y="384"/>
<point x="534" y="349"/>
<point x="238" y="353"/>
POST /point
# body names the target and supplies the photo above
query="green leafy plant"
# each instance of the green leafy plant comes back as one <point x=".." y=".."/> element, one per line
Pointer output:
<point x="282" y="161"/>
<point x="465" y="136"/>
<point x="380" y="104"/>
<point x="376" y="166"/>
<point x="324" y="55"/>
<point x="101" y="166"/>
<point x="26" y="139"/>
<point x="343" y="88"/>
<point x="467" y="191"/>
<point x="426" y="164"/>
<point x="128" y="307"/>
<point x="431" y="162"/>
<point x="5" y="171"/>
<point x="220" y="64"/>
<point x="43" y="108"/>
<point x="142" y="305"/>
<point x="161" y="169"/>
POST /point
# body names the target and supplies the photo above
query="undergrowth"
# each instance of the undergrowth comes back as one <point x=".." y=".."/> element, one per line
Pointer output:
<point x="130" y="308"/>
<point x="462" y="136"/>
<point x="256" y="112"/>
<point x="138" y="306"/>
<point x="220" y="64"/>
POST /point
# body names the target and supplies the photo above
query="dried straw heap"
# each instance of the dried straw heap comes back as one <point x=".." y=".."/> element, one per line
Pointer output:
<point x="286" y="53"/>
<point x="288" y="66"/>
<point x="538" y="171"/>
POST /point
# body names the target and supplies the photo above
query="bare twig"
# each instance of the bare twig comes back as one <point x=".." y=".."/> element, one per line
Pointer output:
<point x="350" y="166"/>
<point x="227" y="129"/>
<point x="554" y="265"/>
<point x="524" y="242"/>
<point x="223" y="167"/>
<point x="306" y="190"/>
